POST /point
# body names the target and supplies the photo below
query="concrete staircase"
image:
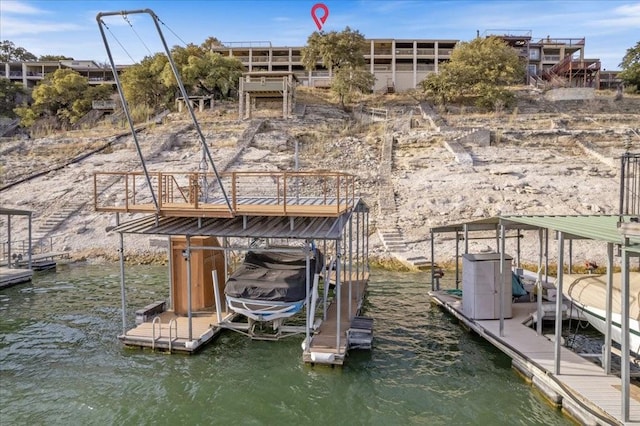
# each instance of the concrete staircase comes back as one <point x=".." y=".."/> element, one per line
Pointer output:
<point x="48" y="225"/>
<point x="395" y="243"/>
<point x="390" y="235"/>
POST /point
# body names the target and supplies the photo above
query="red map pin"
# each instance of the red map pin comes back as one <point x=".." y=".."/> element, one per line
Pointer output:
<point x="319" y="20"/>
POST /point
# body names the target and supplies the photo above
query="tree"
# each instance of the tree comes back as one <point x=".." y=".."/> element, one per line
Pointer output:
<point x="343" y="55"/>
<point x="10" y="53"/>
<point x="54" y="58"/>
<point x="210" y="43"/>
<point x="143" y="83"/>
<point x="630" y="66"/>
<point x="10" y="95"/>
<point x="65" y="95"/>
<point x="348" y="81"/>
<point x="212" y="74"/>
<point x="478" y="70"/>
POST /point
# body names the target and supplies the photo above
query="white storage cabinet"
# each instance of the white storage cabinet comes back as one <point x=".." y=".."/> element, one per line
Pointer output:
<point x="481" y="286"/>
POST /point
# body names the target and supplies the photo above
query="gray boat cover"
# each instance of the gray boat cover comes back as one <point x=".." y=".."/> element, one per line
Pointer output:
<point x="273" y="276"/>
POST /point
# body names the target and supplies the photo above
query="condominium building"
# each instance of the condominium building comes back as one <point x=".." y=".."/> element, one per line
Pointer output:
<point x="397" y="64"/>
<point x="29" y="74"/>
<point x="555" y="60"/>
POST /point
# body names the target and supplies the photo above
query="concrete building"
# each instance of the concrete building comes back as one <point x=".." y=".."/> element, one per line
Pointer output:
<point x="397" y="64"/>
<point x="29" y="74"/>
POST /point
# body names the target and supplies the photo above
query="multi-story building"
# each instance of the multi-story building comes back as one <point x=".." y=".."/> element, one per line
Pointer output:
<point x="555" y="60"/>
<point x="397" y="64"/>
<point x="29" y="74"/>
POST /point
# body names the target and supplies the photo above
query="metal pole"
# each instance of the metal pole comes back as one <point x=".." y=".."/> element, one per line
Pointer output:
<point x="350" y="266"/>
<point x="539" y="285"/>
<point x="433" y="264"/>
<point x="502" y="275"/>
<point x="624" y="330"/>
<point x="339" y="301"/>
<point x="558" y="336"/>
<point x="125" y="106"/>
<point x="30" y="245"/>
<point x="308" y="295"/>
<point x="9" y="241"/>
<point x="606" y="361"/>
<point x="189" y="313"/>
<point x="457" y="266"/>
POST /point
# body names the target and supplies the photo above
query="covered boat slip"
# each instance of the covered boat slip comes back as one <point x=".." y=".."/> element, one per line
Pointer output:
<point x="274" y="248"/>
<point x="615" y="231"/>
<point x="583" y="389"/>
<point x="333" y="338"/>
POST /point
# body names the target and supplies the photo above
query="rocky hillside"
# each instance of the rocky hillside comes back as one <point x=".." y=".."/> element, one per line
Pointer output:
<point x="540" y="158"/>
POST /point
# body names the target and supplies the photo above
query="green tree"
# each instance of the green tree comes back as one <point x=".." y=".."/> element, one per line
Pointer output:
<point x="210" y="43"/>
<point x="10" y="95"/>
<point x="348" y="81"/>
<point x="65" y="95"/>
<point x="212" y="74"/>
<point x="143" y="83"/>
<point x="54" y="58"/>
<point x="9" y="52"/>
<point x="630" y="66"/>
<point x="479" y="70"/>
<point x="342" y="53"/>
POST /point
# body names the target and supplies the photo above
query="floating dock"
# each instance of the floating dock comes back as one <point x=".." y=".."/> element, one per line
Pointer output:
<point x="582" y="389"/>
<point x="12" y="276"/>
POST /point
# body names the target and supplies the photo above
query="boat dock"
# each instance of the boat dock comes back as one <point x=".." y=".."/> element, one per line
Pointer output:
<point x="167" y="331"/>
<point x="332" y="339"/>
<point x="11" y="276"/>
<point x="582" y="388"/>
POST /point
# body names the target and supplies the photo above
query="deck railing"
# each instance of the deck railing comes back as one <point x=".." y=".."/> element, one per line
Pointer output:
<point x="250" y="193"/>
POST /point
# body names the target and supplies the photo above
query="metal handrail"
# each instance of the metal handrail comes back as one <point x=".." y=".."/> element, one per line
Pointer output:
<point x="281" y="186"/>
<point x="153" y="331"/>
<point x="172" y="322"/>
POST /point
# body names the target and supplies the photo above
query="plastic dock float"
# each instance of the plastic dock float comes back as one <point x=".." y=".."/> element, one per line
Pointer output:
<point x="360" y="334"/>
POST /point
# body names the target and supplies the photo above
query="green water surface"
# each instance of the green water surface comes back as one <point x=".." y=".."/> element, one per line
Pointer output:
<point x="61" y="363"/>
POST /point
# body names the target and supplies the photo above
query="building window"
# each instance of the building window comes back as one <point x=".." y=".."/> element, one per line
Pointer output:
<point x="534" y="54"/>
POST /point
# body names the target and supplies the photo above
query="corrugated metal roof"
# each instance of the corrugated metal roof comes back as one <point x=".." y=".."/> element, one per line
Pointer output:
<point x="600" y="228"/>
<point x="251" y="227"/>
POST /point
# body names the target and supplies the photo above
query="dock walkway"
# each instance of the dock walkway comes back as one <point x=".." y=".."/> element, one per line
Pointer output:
<point x="12" y="276"/>
<point x="582" y="388"/>
<point x="325" y="347"/>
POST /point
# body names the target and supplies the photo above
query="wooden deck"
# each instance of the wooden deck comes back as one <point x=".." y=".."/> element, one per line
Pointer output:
<point x="580" y="384"/>
<point x="180" y="194"/>
<point x="324" y="347"/>
<point x="12" y="276"/>
<point x="174" y="336"/>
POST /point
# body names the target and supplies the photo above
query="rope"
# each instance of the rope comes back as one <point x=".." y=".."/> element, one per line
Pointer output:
<point x="172" y="32"/>
<point x="117" y="41"/>
<point x="124" y="16"/>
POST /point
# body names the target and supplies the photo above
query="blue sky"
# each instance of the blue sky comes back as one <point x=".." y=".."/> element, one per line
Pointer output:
<point x="65" y="27"/>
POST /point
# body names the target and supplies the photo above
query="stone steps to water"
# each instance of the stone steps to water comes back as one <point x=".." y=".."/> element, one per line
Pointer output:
<point x="54" y="221"/>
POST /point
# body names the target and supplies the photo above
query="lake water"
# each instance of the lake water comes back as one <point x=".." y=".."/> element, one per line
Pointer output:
<point x="61" y="363"/>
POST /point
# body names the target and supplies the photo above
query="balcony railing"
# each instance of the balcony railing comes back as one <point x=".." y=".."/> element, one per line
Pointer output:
<point x="197" y="194"/>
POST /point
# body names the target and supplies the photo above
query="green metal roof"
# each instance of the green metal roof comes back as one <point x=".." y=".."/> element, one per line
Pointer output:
<point x="598" y="228"/>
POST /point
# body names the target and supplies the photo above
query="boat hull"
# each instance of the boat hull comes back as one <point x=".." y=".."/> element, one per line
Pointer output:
<point x="588" y="293"/>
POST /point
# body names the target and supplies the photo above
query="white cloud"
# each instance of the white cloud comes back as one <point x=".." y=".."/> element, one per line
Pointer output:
<point x="16" y="27"/>
<point x="18" y="8"/>
<point x="626" y="16"/>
